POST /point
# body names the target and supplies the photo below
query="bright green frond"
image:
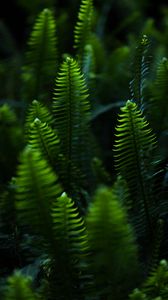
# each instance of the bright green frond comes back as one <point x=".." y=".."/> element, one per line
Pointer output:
<point x="37" y="189"/>
<point x="83" y="27"/>
<point x="19" y="288"/>
<point x="38" y="110"/>
<point x="112" y="243"/>
<point x="72" y="247"/>
<point x="133" y="147"/>
<point x="44" y="139"/>
<point x="41" y="62"/>
<point x="69" y="226"/>
<point x="71" y="109"/>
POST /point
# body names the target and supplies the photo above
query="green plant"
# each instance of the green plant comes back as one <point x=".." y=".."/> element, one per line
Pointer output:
<point x="41" y="58"/>
<point x="78" y="222"/>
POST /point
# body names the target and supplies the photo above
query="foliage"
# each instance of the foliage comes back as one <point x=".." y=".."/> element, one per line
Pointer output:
<point x="133" y="147"/>
<point x="71" y="110"/>
<point x="109" y="232"/>
<point x="79" y="220"/>
<point x="41" y="58"/>
<point x="19" y="287"/>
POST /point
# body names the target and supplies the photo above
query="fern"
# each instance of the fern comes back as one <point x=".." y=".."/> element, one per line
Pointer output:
<point x="71" y="109"/>
<point x="41" y="62"/>
<point x="112" y="244"/>
<point x="37" y="188"/>
<point x="88" y="67"/>
<point x="156" y="284"/>
<point x="65" y="277"/>
<point x="134" y="143"/>
<point x="159" y="97"/>
<point x="155" y="253"/>
<point x="141" y="67"/>
<point x="40" y="111"/>
<point x="57" y="220"/>
<point x="89" y="70"/>
<point x="82" y="33"/>
<point x="122" y="192"/>
<point x="19" y="288"/>
<point x="43" y="139"/>
<point x="102" y="176"/>
<point x="139" y="295"/>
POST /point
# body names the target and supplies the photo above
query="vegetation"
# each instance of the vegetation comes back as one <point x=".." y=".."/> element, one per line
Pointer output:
<point x="84" y="153"/>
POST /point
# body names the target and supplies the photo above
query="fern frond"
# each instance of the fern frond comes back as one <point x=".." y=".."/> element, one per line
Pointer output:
<point x="69" y="226"/>
<point x="156" y="284"/>
<point x="112" y="244"/>
<point x="99" y="52"/>
<point x="43" y="139"/>
<point x="72" y="246"/>
<point x="122" y="192"/>
<point x="102" y="176"/>
<point x="140" y="67"/>
<point x="134" y="143"/>
<point x="41" y="62"/>
<point x="156" y="247"/>
<point x="40" y="111"/>
<point x="82" y="33"/>
<point x="19" y="287"/>
<point x="71" y="109"/>
<point x="139" y="295"/>
<point x="88" y="67"/>
<point x="159" y="99"/>
<point x="89" y="71"/>
<point x="37" y="189"/>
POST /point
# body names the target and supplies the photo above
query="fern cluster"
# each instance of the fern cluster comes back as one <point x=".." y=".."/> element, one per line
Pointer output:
<point x="82" y="223"/>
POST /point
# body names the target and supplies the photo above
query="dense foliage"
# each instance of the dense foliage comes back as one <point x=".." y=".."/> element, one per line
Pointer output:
<point x="84" y="153"/>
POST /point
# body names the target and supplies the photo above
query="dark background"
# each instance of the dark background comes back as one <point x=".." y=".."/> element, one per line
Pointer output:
<point x="16" y="16"/>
